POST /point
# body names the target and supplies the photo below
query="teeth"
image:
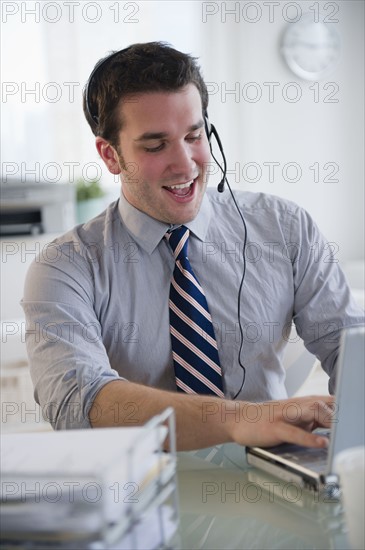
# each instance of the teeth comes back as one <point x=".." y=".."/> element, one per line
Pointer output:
<point x="181" y="186"/>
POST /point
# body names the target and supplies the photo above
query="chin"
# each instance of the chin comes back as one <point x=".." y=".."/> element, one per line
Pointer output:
<point x="186" y="215"/>
<point x="183" y="218"/>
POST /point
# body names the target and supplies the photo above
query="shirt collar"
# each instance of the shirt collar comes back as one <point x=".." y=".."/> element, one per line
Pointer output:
<point x="148" y="232"/>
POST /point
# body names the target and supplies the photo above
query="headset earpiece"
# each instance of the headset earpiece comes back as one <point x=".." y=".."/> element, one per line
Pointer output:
<point x="208" y="126"/>
<point x="210" y="130"/>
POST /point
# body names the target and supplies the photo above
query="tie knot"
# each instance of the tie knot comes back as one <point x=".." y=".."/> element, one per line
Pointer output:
<point x="178" y="240"/>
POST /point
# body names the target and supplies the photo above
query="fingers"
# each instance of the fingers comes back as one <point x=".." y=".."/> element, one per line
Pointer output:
<point x="293" y="434"/>
<point x="324" y="412"/>
<point x="288" y="421"/>
<point x="317" y="412"/>
<point x="293" y="420"/>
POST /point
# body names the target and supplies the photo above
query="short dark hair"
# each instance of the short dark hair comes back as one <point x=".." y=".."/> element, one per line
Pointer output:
<point x="143" y="67"/>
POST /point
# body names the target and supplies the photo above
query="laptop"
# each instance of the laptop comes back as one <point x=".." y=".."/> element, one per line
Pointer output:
<point x="313" y="468"/>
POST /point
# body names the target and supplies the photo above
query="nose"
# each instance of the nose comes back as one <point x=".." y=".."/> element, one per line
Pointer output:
<point x="181" y="160"/>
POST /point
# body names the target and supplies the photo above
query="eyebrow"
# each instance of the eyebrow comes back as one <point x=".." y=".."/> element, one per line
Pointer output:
<point x="162" y="135"/>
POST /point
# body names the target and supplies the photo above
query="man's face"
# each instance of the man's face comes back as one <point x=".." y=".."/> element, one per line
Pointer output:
<point x="163" y="154"/>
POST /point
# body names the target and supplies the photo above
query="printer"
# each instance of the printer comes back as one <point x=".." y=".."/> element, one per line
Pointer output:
<point x="34" y="208"/>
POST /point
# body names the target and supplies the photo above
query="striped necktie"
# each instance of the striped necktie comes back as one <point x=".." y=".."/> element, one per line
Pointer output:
<point x="194" y="348"/>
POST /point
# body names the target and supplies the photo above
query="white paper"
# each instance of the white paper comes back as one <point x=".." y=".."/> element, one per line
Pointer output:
<point x="93" y="467"/>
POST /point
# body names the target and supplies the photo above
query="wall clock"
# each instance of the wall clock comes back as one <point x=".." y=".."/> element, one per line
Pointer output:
<point x="311" y="49"/>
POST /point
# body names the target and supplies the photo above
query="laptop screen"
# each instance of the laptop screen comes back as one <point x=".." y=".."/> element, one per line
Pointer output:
<point x="350" y="393"/>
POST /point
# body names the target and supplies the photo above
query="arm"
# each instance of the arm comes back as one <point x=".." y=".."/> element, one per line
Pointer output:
<point x="76" y="386"/>
<point x="203" y="421"/>
<point x="68" y="361"/>
<point x="323" y="301"/>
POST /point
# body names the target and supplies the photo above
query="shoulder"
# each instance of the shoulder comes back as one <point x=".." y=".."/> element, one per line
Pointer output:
<point x="93" y="233"/>
<point x="260" y="206"/>
<point x="96" y="230"/>
<point x="252" y="201"/>
<point x="82" y="246"/>
<point x="72" y="260"/>
<point x="267" y="216"/>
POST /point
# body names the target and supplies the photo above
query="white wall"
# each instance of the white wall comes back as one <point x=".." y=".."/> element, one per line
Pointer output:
<point x="305" y="132"/>
<point x="231" y="50"/>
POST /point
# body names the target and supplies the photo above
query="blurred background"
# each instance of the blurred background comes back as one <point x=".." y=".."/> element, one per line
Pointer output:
<point x="286" y="83"/>
<point x="297" y="138"/>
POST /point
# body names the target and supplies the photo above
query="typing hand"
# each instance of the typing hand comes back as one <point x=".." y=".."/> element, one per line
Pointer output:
<point x="287" y="421"/>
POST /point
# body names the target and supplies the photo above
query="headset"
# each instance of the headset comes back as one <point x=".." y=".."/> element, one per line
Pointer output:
<point x="210" y="131"/>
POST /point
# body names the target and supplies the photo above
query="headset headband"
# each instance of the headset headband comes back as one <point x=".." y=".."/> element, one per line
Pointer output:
<point x="100" y="64"/>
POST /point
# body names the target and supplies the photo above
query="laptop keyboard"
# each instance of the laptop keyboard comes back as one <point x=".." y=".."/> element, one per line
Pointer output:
<point x="312" y="458"/>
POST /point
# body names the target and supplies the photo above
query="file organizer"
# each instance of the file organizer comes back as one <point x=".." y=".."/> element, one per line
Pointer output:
<point x="135" y="515"/>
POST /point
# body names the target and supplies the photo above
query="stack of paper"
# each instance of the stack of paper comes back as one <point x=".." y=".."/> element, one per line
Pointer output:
<point x="80" y="486"/>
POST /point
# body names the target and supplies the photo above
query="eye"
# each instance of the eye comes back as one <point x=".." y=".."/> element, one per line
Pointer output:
<point x="194" y="138"/>
<point x="154" y="149"/>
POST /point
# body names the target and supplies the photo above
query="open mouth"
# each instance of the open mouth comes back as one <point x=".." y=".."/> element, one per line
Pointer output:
<point x="181" y="190"/>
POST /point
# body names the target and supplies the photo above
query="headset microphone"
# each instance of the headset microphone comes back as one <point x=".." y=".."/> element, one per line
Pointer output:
<point x="211" y="130"/>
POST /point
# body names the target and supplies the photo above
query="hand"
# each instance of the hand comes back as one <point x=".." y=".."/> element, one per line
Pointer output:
<point x="287" y="421"/>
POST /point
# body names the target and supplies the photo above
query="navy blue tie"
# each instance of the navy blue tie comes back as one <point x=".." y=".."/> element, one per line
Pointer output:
<point x="194" y="347"/>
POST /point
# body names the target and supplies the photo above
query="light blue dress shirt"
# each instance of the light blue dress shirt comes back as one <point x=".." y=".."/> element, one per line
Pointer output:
<point x="96" y="301"/>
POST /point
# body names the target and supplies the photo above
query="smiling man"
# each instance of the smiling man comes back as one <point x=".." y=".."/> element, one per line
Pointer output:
<point x="156" y="302"/>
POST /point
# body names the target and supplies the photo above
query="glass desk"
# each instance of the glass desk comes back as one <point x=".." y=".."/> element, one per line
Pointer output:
<point x="228" y="504"/>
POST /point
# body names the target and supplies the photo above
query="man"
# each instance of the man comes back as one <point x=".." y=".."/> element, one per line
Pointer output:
<point x="99" y="313"/>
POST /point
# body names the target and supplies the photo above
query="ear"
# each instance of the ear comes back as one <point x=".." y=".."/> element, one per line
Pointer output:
<point x="108" y="154"/>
